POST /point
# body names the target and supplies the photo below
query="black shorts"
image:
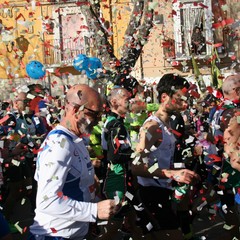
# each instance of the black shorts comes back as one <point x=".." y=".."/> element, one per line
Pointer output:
<point x="157" y="209"/>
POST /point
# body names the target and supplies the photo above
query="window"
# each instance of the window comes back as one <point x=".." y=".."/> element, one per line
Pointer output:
<point x="69" y="38"/>
<point x="192" y="20"/>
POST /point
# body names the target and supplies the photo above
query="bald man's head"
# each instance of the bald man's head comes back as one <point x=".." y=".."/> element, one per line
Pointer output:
<point x="231" y="87"/>
<point x="119" y="100"/>
<point x="83" y="109"/>
<point x="82" y="94"/>
<point x="118" y="92"/>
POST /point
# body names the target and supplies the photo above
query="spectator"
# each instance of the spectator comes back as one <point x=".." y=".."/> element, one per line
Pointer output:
<point x="18" y="172"/>
<point x="198" y="41"/>
<point x="154" y="169"/>
<point x="65" y="174"/>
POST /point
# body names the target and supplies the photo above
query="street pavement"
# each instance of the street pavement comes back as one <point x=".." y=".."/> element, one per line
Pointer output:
<point x="204" y="227"/>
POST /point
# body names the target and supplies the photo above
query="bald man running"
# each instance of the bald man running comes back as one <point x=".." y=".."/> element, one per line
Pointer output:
<point x="65" y="174"/>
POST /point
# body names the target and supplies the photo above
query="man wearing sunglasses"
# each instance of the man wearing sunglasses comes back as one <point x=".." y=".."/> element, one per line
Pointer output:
<point x="65" y="175"/>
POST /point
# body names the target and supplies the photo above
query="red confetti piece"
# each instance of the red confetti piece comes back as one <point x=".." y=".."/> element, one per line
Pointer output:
<point x="53" y="230"/>
<point x="184" y="90"/>
<point x="60" y="194"/>
<point x="4" y="119"/>
<point x="195" y="94"/>
<point x="178" y="134"/>
<point x="215" y="158"/>
<point x="203" y="5"/>
<point x="92" y="188"/>
<point x="174" y="13"/>
<point x="118" y="145"/>
<point x="65" y="197"/>
<point x="216" y="25"/>
<point x="20" y="16"/>
<point x="216" y="45"/>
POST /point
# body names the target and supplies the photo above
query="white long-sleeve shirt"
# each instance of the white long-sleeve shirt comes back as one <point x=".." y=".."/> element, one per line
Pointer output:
<point x="65" y="179"/>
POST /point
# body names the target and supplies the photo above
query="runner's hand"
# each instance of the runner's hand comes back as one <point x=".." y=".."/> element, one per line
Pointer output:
<point x="106" y="209"/>
<point x="185" y="176"/>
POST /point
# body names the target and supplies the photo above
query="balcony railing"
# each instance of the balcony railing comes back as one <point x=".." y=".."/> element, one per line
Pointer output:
<point x="58" y="52"/>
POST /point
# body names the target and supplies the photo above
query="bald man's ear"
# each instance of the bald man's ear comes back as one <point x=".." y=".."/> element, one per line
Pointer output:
<point x="113" y="103"/>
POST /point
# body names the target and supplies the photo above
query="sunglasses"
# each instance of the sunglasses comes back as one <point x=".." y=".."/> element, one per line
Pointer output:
<point x="92" y="113"/>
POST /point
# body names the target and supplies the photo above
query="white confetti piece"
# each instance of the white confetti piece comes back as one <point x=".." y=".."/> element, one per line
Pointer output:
<point x="18" y="227"/>
<point x="117" y="200"/>
<point x="153" y="168"/>
<point x="138" y="208"/>
<point x="212" y="193"/>
<point x="145" y="160"/>
<point x="224" y="208"/>
<point x="173" y="117"/>
<point x="102" y="223"/>
<point x="179" y="165"/>
<point x="30" y="96"/>
<point x="31" y="144"/>
<point x="212" y="211"/>
<point x="149" y="226"/>
<point x="228" y="227"/>
<point x="136" y="161"/>
<point x="184" y="98"/>
<point x="187" y="152"/>
<point x="149" y="136"/>
<point x="29" y="187"/>
<point x="15" y="162"/>
<point x="220" y="192"/>
<point x="216" y="167"/>
<point x="23" y="201"/>
<point x="238" y="119"/>
<point x="129" y="196"/>
<point x="200" y="207"/>
<point x="153" y="148"/>
<point x="190" y="139"/>
<point x="62" y="143"/>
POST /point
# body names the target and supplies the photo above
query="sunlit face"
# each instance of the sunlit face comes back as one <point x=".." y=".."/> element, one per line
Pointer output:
<point x="197" y="30"/>
<point x="88" y="118"/>
<point x="137" y="104"/>
<point x="178" y="101"/>
<point x="21" y="103"/>
<point x="123" y="101"/>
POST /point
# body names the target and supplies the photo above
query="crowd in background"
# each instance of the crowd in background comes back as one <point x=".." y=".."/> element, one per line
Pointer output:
<point x="27" y="119"/>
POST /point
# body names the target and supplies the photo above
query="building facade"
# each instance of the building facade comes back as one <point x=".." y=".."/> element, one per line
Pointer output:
<point x="54" y="32"/>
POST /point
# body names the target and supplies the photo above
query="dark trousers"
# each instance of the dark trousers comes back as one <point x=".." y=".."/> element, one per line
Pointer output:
<point x="31" y="237"/>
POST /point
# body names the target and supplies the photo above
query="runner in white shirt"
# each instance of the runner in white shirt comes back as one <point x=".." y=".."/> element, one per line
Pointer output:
<point x="65" y="174"/>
